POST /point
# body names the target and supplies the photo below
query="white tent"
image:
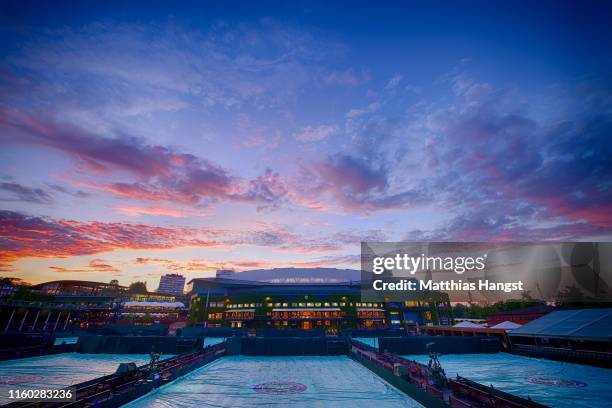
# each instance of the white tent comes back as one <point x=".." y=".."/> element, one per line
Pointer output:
<point x="507" y="325"/>
<point x="154" y="304"/>
<point x="468" y="325"/>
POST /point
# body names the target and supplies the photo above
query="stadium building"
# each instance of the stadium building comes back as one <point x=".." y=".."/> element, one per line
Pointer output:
<point x="322" y="298"/>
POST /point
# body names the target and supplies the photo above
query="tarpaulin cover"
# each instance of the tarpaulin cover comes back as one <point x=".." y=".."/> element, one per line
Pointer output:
<point x="61" y="370"/>
<point x="241" y="381"/>
<point x="552" y="383"/>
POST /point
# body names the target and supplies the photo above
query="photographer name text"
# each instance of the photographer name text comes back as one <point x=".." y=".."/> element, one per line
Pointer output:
<point x="448" y="285"/>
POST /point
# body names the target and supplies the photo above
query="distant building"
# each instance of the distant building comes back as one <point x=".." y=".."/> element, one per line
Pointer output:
<point x="172" y="284"/>
<point x="153" y="308"/>
<point x="68" y="304"/>
<point x="148" y="312"/>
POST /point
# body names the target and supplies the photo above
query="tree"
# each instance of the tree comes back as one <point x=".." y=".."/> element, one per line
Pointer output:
<point x="138" y="287"/>
<point x="572" y="296"/>
<point x="10" y="281"/>
<point x="23" y="293"/>
<point x="459" y="310"/>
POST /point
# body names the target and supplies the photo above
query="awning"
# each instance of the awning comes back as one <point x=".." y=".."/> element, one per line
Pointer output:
<point x="309" y="309"/>
<point x="240" y="310"/>
<point x="153" y="304"/>
<point x="469" y="325"/>
<point x="369" y="309"/>
<point x="506" y="325"/>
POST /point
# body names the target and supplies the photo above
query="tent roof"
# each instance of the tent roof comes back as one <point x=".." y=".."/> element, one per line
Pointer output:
<point x="506" y="325"/>
<point x="468" y="325"/>
<point x="592" y="324"/>
<point x="154" y="304"/>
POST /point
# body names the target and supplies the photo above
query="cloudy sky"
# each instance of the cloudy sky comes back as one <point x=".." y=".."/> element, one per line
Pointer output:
<point x="140" y="139"/>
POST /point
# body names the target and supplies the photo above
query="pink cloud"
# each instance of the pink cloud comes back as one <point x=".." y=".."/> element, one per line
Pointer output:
<point x="25" y="237"/>
<point x="161" y="173"/>
<point x="95" y="265"/>
<point x="135" y="211"/>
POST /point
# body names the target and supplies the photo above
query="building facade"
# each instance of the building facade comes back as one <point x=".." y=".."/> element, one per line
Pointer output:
<point x="152" y="308"/>
<point x="221" y="302"/>
<point x="173" y="284"/>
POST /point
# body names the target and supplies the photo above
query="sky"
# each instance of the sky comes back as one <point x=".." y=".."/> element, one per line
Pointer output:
<point x="143" y="138"/>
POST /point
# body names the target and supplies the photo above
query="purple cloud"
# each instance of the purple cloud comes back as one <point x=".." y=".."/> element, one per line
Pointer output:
<point x="163" y="173"/>
<point x="18" y="192"/>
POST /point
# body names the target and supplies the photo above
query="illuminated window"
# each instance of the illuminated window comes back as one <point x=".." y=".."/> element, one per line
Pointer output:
<point x="285" y="304"/>
<point x="326" y="304"/>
